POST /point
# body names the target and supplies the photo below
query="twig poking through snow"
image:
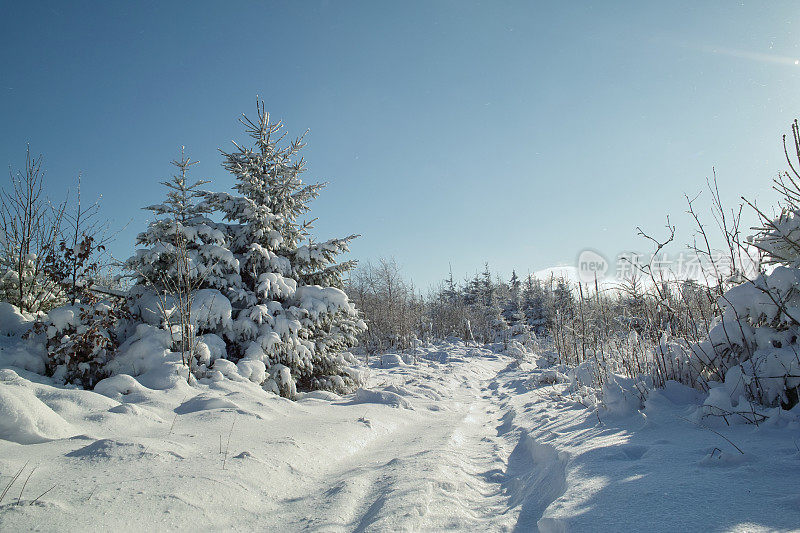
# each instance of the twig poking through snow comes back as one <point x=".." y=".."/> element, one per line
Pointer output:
<point x="714" y="431"/>
<point x="19" y="498"/>
<point x="228" y="444"/>
<point x="13" y="479"/>
<point x="172" y="425"/>
<point x="42" y="494"/>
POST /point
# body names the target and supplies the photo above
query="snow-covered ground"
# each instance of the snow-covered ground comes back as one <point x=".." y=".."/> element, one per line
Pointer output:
<point x="454" y="438"/>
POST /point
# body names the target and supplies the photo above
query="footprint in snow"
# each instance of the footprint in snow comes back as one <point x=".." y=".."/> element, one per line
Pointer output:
<point x="629" y="452"/>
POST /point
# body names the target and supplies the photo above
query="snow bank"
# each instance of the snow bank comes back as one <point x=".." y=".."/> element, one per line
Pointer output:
<point x="110" y="449"/>
<point x="147" y="354"/>
<point x="204" y="402"/>
<point x="27" y="355"/>
<point x="12" y="322"/>
<point x="391" y="359"/>
<point x="24" y="418"/>
<point x="381" y="397"/>
<point x="14" y="350"/>
<point x="119" y="387"/>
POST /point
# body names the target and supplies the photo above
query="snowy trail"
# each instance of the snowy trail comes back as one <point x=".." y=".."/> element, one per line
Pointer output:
<point x="463" y="439"/>
<point x="444" y="471"/>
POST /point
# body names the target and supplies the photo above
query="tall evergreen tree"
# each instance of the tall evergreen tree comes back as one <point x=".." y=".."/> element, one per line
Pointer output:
<point x="564" y="299"/>
<point x="512" y="311"/>
<point x="179" y="267"/>
<point x="534" y="303"/>
<point x="290" y="311"/>
<point x="493" y="321"/>
<point x="449" y="290"/>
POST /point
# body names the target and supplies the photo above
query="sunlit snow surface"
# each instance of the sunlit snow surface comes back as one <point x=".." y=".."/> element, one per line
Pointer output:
<point x="456" y="438"/>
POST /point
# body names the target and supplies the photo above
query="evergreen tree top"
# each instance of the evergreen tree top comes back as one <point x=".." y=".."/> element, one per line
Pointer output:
<point x="269" y="199"/>
<point x="269" y="174"/>
<point x="180" y="203"/>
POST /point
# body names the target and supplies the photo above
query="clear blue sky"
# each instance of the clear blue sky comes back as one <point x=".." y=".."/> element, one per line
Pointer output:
<point x="459" y="132"/>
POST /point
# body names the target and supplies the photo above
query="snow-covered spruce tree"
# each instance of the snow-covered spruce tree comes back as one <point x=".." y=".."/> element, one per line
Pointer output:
<point x="486" y="322"/>
<point x="178" y="272"/>
<point x="496" y="326"/>
<point x="290" y="310"/>
<point x="534" y="304"/>
<point x="512" y="310"/>
<point x="753" y="347"/>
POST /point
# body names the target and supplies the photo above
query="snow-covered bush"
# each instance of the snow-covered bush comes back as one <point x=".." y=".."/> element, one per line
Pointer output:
<point x="673" y="361"/>
<point x="516" y="349"/>
<point x="27" y="285"/>
<point x="144" y="350"/>
<point x="754" y="342"/>
<point x="753" y="346"/>
<point x="80" y="340"/>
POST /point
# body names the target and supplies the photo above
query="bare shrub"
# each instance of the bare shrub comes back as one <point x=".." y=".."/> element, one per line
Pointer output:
<point x="29" y="229"/>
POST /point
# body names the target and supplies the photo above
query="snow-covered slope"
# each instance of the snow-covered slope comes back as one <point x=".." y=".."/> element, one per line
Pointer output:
<point x="453" y="438"/>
